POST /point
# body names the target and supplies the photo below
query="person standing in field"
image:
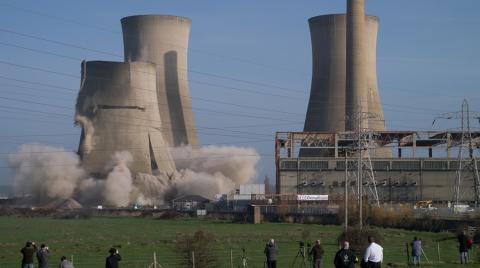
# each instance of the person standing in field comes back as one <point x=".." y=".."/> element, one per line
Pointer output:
<point x="373" y="256"/>
<point x="42" y="256"/>
<point x="463" y="248"/>
<point x="271" y="254"/>
<point x="113" y="259"/>
<point x="27" y="254"/>
<point x="316" y="252"/>
<point x="64" y="263"/>
<point x="469" y="247"/>
<point x="345" y="257"/>
<point x="416" y="250"/>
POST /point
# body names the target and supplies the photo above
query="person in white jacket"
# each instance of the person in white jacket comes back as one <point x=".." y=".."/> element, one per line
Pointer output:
<point x="373" y="256"/>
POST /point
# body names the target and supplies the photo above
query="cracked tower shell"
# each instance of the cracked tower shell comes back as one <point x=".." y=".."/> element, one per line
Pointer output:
<point x="163" y="40"/>
<point x="117" y="109"/>
<point x="327" y="105"/>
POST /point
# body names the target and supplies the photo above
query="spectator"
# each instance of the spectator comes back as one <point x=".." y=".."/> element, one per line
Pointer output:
<point x="113" y="258"/>
<point x="463" y="248"/>
<point x="416" y="250"/>
<point x="373" y="256"/>
<point x="345" y="257"/>
<point x="64" y="263"/>
<point x="271" y="254"/>
<point x="27" y="254"/>
<point x="42" y="256"/>
<point x="316" y="252"/>
<point x="469" y="247"/>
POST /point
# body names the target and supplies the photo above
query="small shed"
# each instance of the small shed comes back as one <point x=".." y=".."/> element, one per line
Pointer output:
<point x="189" y="203"/>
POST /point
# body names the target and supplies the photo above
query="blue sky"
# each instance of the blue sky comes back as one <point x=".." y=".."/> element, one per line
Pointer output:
<point x="428" y="62"/>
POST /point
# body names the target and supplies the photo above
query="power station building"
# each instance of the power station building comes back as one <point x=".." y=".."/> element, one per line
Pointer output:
<point x="141" y="105"/>
<point x="345" y="145"/>
<point x="424" y="167"/>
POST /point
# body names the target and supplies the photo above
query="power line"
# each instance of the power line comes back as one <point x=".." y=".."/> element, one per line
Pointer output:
<point x="59" y="43"/>
<point x="193" y="50"/>
<point x="40" y="51"/>
<point x="223" y="86"/>
<point x="59" y="73"/>
<point x="193" y="98"/>
<point x="158" y="160"/>
<point x="135" y="148"/>
<point x="199" y="109"/>
<point x="121" y="56"/>
<point x="144" y="125"/>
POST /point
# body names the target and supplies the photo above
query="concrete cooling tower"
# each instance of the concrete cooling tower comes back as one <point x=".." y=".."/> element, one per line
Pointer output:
<point x="117" y="109"/>
<point x="163" y="40"/>
<point x="328" y="106"/>
<point x="357" y="68"/>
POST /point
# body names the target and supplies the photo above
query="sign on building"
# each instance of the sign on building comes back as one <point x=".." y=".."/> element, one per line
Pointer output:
<point x="311" y="197"/>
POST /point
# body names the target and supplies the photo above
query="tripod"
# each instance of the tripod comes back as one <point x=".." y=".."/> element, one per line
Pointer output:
<point x="301" y="257"/>
<point x="244" y="262"/>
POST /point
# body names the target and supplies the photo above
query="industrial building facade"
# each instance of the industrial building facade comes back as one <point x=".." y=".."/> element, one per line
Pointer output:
<point x="424" y="167"/>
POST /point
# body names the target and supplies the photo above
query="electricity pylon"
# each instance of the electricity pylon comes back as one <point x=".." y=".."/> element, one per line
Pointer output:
<point x="466" y="162"/>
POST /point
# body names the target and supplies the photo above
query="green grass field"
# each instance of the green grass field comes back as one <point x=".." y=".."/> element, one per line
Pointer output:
<point x="88" y="241"/>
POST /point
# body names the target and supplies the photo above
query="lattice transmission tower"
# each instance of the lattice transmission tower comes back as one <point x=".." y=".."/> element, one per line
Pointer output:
<point x="467" y="162"/>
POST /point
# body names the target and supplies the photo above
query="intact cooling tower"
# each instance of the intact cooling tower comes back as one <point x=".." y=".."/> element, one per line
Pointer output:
<point x="117" y="109"/>
<point x="357" y="69"/>
<point x="163" y="40"/>
<point x="328" y="96"/>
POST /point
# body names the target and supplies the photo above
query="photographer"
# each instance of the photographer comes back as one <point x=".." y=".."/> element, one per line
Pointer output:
<point x="316" y="252"/>
<point x="64" y="263"/>
<point x="27" y="254"/>
<point x="42" y="256"/>
<point x="113" y="259"/>
<point x="271" y="254"/>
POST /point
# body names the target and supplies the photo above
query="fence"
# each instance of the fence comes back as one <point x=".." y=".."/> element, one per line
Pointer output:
<point x="289" y="256"/>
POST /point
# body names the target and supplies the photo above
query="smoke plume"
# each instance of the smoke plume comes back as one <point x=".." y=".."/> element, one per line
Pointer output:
<point x="45" y="172"/>
<point x="118" y="184"/>
<point x="48" y="173"/>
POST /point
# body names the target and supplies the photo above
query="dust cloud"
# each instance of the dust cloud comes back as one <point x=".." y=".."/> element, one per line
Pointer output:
<point x="47" y="173"/>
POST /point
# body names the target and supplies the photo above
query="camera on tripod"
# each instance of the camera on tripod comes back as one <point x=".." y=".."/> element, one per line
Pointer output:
<point x="301" y="244"/>
<point x="302" y="254"/>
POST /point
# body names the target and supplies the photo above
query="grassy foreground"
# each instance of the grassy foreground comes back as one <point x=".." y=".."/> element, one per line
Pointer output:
<point x="88" y="240"/>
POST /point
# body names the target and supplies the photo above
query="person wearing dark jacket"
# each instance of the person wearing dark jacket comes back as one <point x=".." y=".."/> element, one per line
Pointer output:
<point x="271" y="254"/>
<point x="42" y="256"/>
<point x="27" y="254"/>
<point x="316" y="252"/>
<point x="113" y="259"/>
<point x="463" y="248"/>
<point x="345" y="257"/>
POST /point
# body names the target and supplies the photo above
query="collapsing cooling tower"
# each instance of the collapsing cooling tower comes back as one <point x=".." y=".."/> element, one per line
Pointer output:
<point x="163" y="40"/>
<point x="117" y="109"/>
<point x="328" y="96"/>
